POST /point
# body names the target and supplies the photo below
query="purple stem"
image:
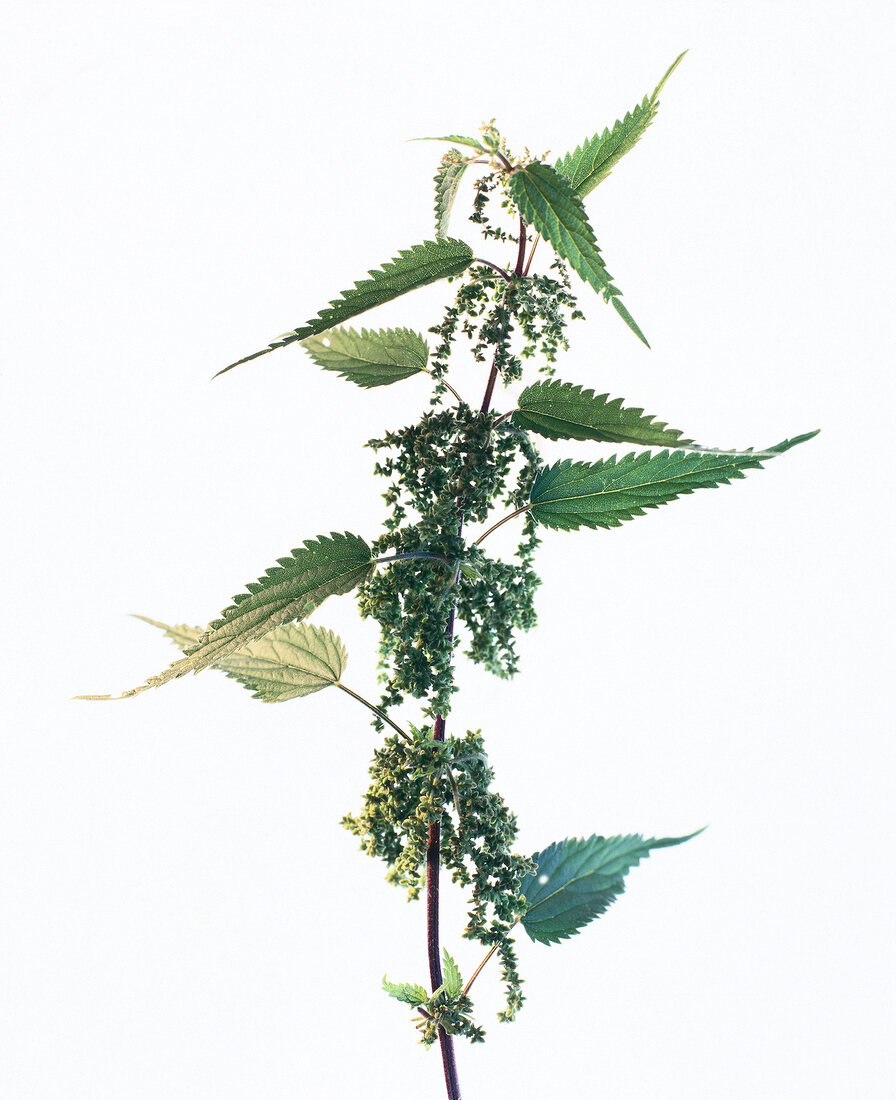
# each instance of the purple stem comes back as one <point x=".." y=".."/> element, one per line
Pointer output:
<point x="521" y="254"/>
<point x="434" y="835"/>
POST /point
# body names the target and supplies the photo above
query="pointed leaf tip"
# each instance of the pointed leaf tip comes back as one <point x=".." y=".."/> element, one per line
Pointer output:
<point x="560" y="410"/>
<point x="412" y="268"/>
<point x="546" y="201"/>
<point x="285" y="593"/>
<point x="453" y="981"/>
<point x="577" y="880"/>
<point x="595" y="158"/>
<point x="569" y="495"/>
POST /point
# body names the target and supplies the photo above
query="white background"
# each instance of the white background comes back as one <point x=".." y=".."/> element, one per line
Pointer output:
<point x="182" y="916"/>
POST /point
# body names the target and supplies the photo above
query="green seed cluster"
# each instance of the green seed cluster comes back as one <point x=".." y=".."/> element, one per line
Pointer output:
<point x="479" y="313"/>
<point x="484" y="188"/>
<point x="543" y="307"/>
<point x="415" y="783"/>
<point x="452" y="463"/>
<point x="408" y="792"/>
<point x="453" y="1014"/>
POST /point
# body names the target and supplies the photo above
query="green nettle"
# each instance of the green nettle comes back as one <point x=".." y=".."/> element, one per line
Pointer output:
<point x="452" y="478"/>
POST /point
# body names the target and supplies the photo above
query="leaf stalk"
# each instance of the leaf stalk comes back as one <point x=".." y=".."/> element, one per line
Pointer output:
<point x="376" y="710"/>
<point x="501" y="522"/>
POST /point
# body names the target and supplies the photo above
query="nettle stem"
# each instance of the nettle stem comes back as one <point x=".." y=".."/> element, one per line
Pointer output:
<point x="434" y="835"/>
<point x="433" y="946"/>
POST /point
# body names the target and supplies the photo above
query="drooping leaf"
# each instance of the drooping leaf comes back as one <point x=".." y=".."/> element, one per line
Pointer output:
<point x="455" y="139"/>
<point x="288" y="591"/>
<point x="569" y="495"/>
<point x="410" y="994"/>
<point x="453" y="982"/>
<point x="292" y="661"/>
<point x="593" y="160"/>
<point x="411" y="268"/>
<point x="370" y="357"/>
<point x="447" y="181"/>
<point x="559" y="410"/>
<point x="546" y="201"/>
<point x="577" y="880"/>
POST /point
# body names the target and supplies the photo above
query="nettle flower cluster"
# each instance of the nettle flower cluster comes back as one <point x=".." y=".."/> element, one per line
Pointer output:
<point x="427" y="580"/>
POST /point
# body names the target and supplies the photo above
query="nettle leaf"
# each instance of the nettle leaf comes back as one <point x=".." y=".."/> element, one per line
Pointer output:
<point x="290" y="662"/>
<point x="455" y="139"/>
<point x="288" y="591"/>
<point x="370" y="357"/>
<point x="413" y="995"/>
<point x="447" y="180"/>
<point x="546" y="201"/>
<point x="453" y="983"/>
<point x="560" y="410"/>
<point x="411" y="268"/>
<point x="593" y="160"/>
<point x="569" y="495"/>
<point x="577" y="880"/>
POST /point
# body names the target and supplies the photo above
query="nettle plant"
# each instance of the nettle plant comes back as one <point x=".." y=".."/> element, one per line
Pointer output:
<point x="431" y="802"/>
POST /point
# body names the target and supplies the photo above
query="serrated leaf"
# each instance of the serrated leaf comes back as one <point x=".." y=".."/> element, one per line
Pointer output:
<point x="455" y="139"/>
<point x="569" y="495"/>
<point x="411" y="268"/>
<point x="453" y="982"/>
<point x="290" y="662"/>
<point x="546" y="201"/>
<point x="447" y="180"/>
<point x="577" y="880"/>
<point x="410" y="994"/>
<point x="287" y="592"/>
<point x="593" y="160"/>
<point x="560" y="410"/>
<point x="370" y="357"/>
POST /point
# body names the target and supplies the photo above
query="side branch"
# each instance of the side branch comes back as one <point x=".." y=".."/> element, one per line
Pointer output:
<point x="500" y="270"/>
<point x="410" y="555"/>
<point x="433" y="949"/>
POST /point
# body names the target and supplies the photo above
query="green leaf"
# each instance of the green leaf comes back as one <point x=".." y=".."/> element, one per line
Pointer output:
<point x="411" y="268"/>
<point x="593" y="160"/>
<point x="559" y="410"/>
<point x="453" y="983"/>
<point x="455" y="139"/>
<point x="569" y="495"/>
<point x="447" y="181"/>
<point x="547" y="202"/>
<point x="290" y="662"/>
<point x="370" y="357"/>
<point x="413" y="995"/>
<point x="577" y="880"/>
<point x="287" y="592"/>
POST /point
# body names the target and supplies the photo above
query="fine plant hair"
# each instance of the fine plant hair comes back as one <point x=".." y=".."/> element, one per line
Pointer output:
<point x="467" y="467"/>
